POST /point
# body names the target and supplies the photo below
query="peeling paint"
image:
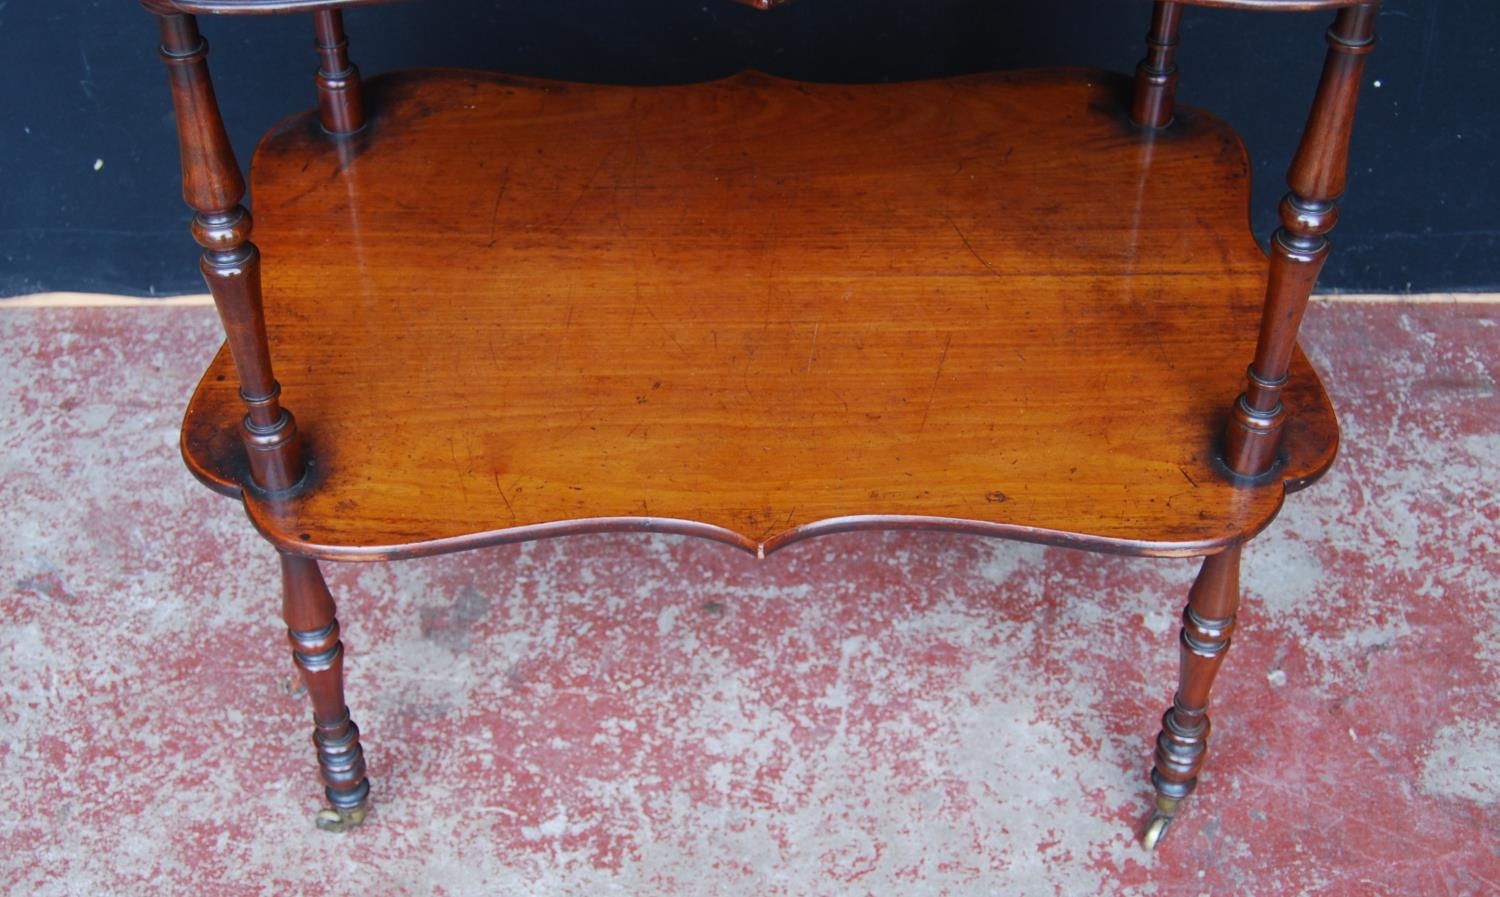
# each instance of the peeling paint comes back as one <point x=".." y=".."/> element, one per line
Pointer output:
<point x="872" y="713"/>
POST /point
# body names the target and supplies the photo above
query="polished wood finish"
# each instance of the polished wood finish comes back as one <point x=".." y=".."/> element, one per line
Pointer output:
<point x="648" y="308"/>
<point x="757" y="310"/>
<point x="213" y="187"/>
<point x="1207" y="623"/>
<point x="1156" y="75"/>
<point x="1299" y="247"/>
<point x="313" y="630"/>
<point x="341" y="105"/>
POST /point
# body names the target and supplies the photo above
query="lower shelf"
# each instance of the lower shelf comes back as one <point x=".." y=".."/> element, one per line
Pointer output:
<point x="757" y="310"/>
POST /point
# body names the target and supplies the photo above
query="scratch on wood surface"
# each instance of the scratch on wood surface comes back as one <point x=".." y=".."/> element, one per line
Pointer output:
<point x="670" y="335"/>
<point x="970" y="246"/>
<point x="562" y="342"/>
<point x="938" y="375"/>
<point x="495" y="209"/>
<point x="458" y="469"/>
<point x="587" y="185"/>
<point x="494" y="355"/>
<point x="813" y="352"/>
<point x="505" y="498"/>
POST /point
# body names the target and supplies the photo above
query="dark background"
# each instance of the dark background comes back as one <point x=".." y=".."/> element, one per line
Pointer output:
<point x="81" y="86"/>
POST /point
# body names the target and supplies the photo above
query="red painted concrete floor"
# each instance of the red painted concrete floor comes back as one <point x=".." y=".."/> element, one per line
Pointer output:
<point x="861" y="714"/>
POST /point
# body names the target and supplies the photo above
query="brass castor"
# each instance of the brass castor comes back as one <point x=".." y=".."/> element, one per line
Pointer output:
<point x="1161" y="818"/>
<point x="1156" y="829"/>
<point x="335" y="820"/>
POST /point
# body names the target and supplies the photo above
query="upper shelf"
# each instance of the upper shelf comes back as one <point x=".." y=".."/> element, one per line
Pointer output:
<point x="757" y="310"/>
<point x="276" y="6"/>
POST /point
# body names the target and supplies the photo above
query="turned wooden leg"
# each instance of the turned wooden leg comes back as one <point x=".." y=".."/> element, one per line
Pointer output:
<point x="1207" y="623"/>
<point x="213" y="186"/>
<point x="319" y="655"/>
<point x="341" y="104"/>
<point x="1300" y="245"/>
<point x="1152" y="104"/>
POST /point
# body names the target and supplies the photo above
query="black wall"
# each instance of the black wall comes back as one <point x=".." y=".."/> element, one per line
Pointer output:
<point x="88" y="161"/>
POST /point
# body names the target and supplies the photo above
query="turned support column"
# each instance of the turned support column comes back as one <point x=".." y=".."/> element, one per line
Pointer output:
<point x="1300" y="246"/>
<point x="1207" y="623"/>
<point x="313" y="631"/>
<point x="213" y="186"/>
<point x="1156" y="77"/>
<point x="340" y="101"/>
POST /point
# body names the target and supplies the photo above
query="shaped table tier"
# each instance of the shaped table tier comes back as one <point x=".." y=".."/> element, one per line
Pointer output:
<point x="757" y="310"/>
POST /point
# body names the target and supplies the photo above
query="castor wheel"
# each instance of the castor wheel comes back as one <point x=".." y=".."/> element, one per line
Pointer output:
<point x="336" y="820"/>
<point x="1161" y="817"/>
<point x="1156" y="829"/>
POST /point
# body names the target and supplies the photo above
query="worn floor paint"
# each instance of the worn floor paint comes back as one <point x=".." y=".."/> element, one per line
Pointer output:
<point x="861" y="714"/>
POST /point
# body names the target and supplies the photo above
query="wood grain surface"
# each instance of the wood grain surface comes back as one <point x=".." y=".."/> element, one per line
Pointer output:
<point x="757" y="310"/>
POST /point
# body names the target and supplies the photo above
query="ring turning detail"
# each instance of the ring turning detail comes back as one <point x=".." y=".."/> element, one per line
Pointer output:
<point x="1019" y="305"/>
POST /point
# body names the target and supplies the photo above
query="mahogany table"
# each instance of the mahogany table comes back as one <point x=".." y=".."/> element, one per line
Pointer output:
<point x="1017" y="305"/>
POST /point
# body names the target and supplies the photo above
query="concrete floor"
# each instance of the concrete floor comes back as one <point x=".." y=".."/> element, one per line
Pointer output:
<point x="860" y="714"/>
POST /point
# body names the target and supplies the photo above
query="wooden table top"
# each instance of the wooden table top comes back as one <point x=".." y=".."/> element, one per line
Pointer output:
<point x="757" y="310"/>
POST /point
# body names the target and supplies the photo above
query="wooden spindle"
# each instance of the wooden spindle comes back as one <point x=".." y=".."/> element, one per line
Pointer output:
<point x="213" y="186"/>
<point x="1156" y="75"/>
<point x="1300" y="246"/>
<point x="1207" y="623"/>
<point x="340" y="99"/>
<point x="313" y="630"/>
